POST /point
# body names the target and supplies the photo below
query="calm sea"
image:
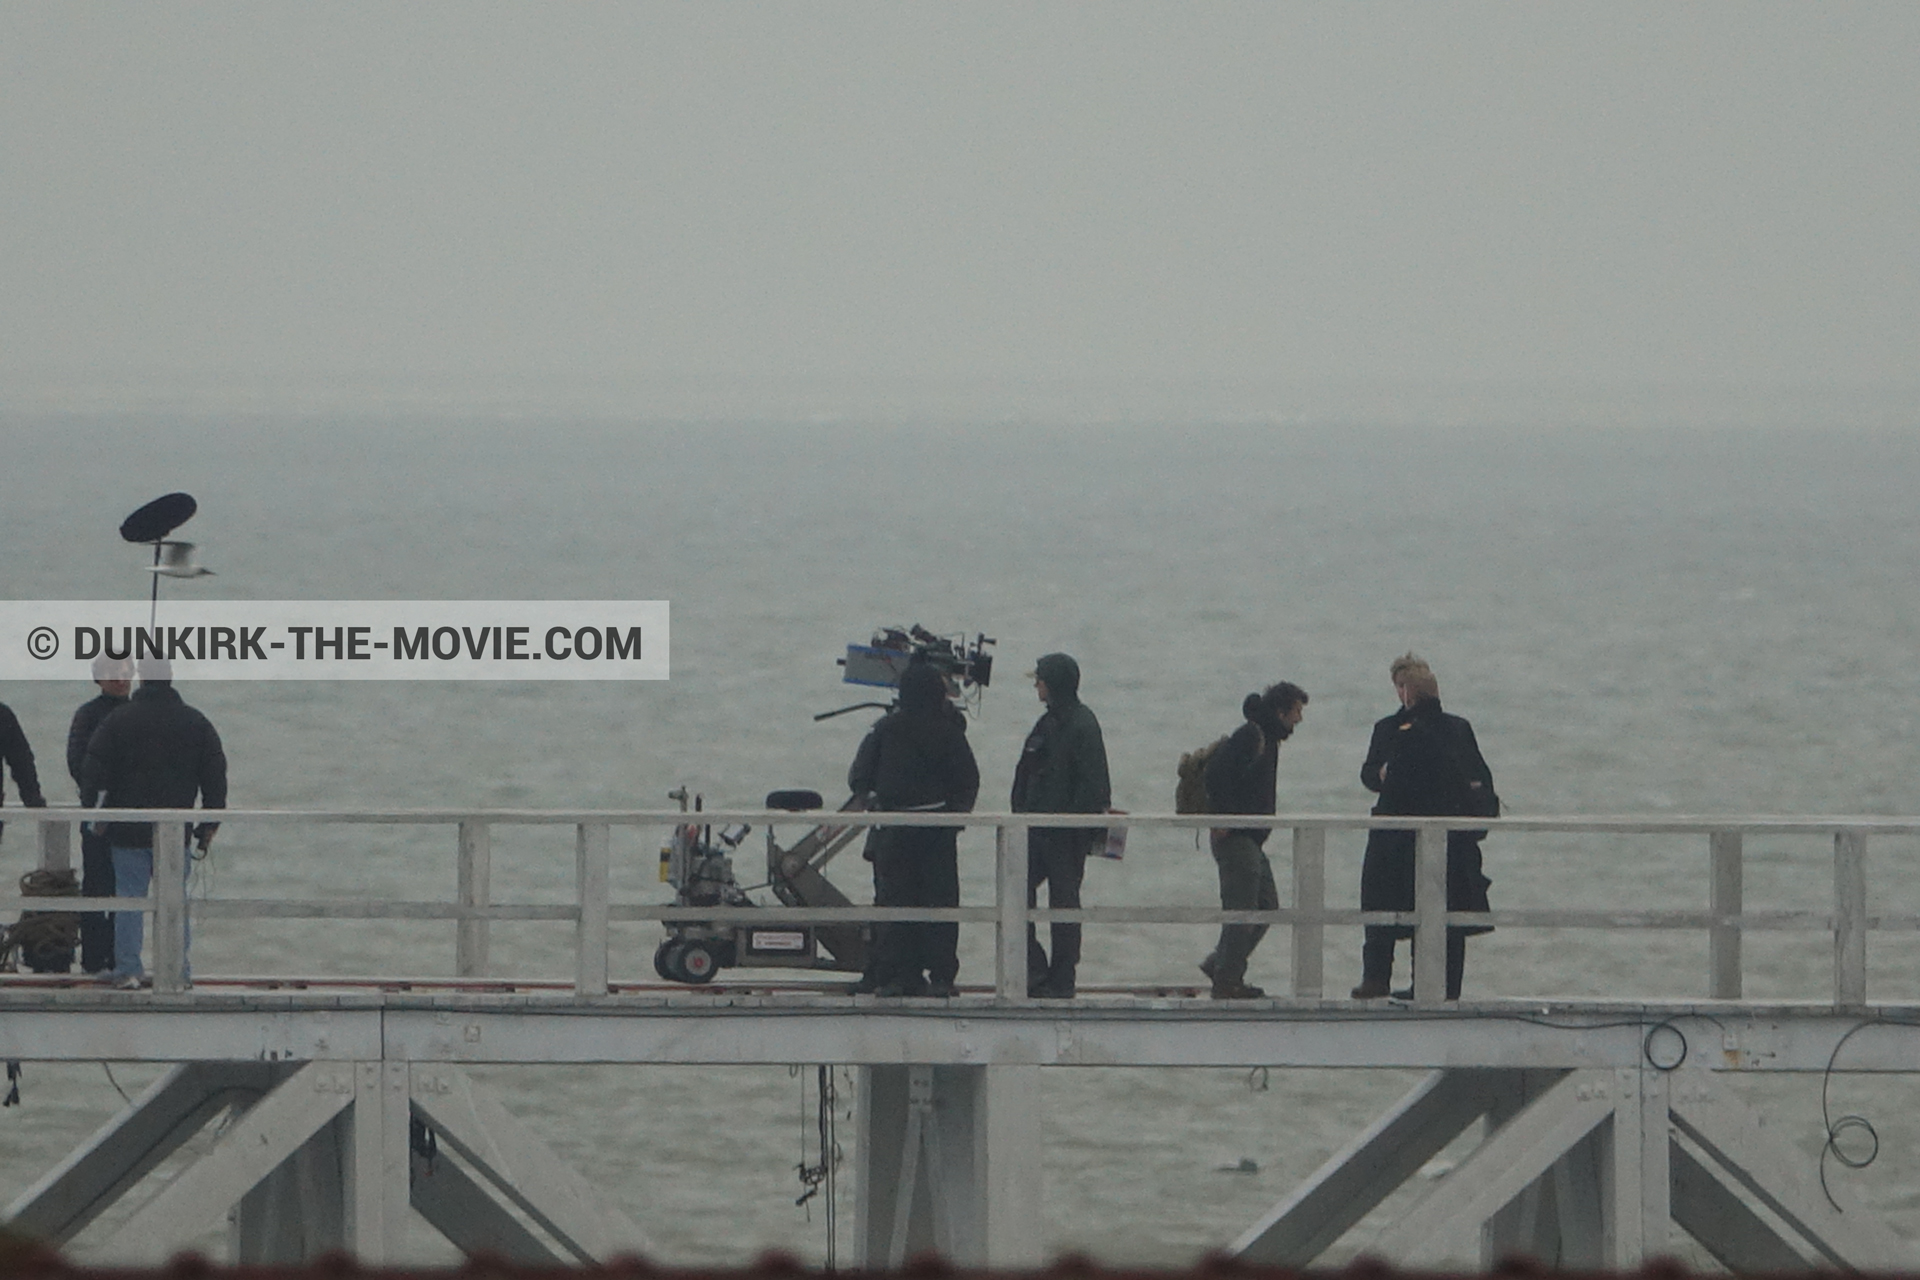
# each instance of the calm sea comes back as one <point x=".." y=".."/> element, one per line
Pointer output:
<point x="1637" y="621"/>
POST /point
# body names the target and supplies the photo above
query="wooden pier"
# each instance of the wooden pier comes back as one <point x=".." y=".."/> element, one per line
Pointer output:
<point x="1605" y="1127"/>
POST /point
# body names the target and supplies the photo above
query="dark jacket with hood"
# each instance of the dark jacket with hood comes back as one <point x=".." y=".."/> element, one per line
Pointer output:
<point x="916" y="758"/>
<point x="1063" y="767"/>
<point x="17" y="756"/>
<point x="154" y="753"/>
<point x="1241" y="776"/>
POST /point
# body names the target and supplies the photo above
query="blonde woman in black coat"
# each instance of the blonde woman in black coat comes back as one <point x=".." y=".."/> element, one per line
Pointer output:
<point x="1422" y="761"/>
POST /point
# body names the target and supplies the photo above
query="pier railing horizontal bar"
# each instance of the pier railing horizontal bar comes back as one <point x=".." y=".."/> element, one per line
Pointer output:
<point x="1563" y="824"/>
<point x="391" y="909"/>
<point x="591" y="911"/>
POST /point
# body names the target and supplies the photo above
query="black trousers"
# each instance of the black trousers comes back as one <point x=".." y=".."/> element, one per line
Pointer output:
<point x="916" y="867"/>
<point x="96" y="881"/>
<point x="1386" y="884"/>
<point x="1376" y="954"/>
<point x="1057" y="858"/>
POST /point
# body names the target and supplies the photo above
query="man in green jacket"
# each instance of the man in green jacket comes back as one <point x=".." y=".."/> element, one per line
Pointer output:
<point x="1062" y="769"/>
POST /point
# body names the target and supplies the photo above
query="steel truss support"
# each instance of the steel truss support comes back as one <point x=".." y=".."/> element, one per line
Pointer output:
<point x="510" y="1157"/>
<point x="321" y="1156"/>
<point x="151" y="1127"/>
<point x="1367" y="1170"/>
<point x="948" y="1161"/>
<point x="1587" y="1169"/>
<point x="1784" y="1207"/>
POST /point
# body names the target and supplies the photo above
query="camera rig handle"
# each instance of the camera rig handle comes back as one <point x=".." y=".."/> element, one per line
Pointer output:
<point x="858" y="706"/>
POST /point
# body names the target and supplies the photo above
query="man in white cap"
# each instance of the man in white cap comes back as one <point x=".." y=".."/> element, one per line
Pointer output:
<point x="154" y="753"/>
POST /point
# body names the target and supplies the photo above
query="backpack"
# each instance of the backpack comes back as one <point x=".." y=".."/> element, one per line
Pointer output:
<point x="1190" y="786"/>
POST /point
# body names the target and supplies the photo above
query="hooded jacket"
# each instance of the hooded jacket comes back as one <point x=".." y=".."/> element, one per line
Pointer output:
<point x="1063" y="766"/>
<point x="916" y="758"/>
<point x="154" y="753"/>
<point x="1242" y="775"/>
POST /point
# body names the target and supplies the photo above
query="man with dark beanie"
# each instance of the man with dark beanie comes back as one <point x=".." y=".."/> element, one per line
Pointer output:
<point x="1241" y="779"/>
<point x="1062" y="769"/>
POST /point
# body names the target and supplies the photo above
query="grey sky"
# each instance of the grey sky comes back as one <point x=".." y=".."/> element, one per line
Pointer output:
<point x="1699" y="193"/>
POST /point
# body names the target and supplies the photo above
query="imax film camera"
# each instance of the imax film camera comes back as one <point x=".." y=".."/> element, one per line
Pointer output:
<point x="966" y="664"/>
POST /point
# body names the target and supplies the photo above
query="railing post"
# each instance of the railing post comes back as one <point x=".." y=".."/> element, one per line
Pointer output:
<point x="475" y="890"/>
<point x="169" y="908"/>
<point x="592" y="875"/>
<point x="1010" y="901"/>
<point x="1309" y="894"/>
<point x="1849" y="919"/>
<point x="56" y="846"/>
<point x="1430" y="916"/>
<point x="1725" y="898"/>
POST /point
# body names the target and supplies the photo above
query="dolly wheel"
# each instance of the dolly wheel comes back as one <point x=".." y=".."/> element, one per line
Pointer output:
<point x="662" y="961"/>
<point x="696" y="962"/>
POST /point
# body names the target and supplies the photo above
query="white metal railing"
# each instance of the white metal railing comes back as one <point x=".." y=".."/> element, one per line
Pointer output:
<point x="1725" y="920"/>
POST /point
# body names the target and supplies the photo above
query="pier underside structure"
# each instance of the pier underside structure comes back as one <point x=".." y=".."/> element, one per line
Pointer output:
<point x="1595" y="1133"/>
<point x="1602" y="1130"/>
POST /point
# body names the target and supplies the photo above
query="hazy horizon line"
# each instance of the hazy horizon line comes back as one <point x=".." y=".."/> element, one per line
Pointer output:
<point x="1039" y="400"/>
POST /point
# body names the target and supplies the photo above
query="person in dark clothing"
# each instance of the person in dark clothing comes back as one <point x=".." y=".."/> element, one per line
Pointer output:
<point x="154" y="753"/>
<point x="1242" y="778"/>
<point x="45" y="954"/>
<point x="916" y="760"/>
<point x="1062" y="769"/>
<point x="1422" y="760"/>
<point x="115" y="678"/>
<point x="17" y="755"/>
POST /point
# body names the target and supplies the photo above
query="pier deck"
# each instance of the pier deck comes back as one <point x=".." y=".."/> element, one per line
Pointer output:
<point x="440" y="1020"/>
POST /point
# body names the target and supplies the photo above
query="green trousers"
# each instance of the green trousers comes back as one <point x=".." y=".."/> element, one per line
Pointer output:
<point x="1246" y="884"/>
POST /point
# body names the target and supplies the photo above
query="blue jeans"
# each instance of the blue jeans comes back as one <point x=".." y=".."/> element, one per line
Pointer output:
<point x="132" y="874"/>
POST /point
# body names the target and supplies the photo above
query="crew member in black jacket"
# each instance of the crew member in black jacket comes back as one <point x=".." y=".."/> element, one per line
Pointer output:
<point x="1241" y="779"/>
<point x="115" y="678"/>
<point x="1422" y="760"/>
<point x="154" y="753"/>
<point x="18" y="758"/>
<point x="1062" y="769"/>
<point x="916" y="760"/>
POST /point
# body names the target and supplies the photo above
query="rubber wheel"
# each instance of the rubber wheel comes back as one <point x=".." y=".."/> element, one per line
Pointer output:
<point x="660" y="965"/>
<point x="696" y="962"/>
<point x="669" y="965"/>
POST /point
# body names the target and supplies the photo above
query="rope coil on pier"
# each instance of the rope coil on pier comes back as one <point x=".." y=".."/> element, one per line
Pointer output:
<point x="41" y="932"/>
